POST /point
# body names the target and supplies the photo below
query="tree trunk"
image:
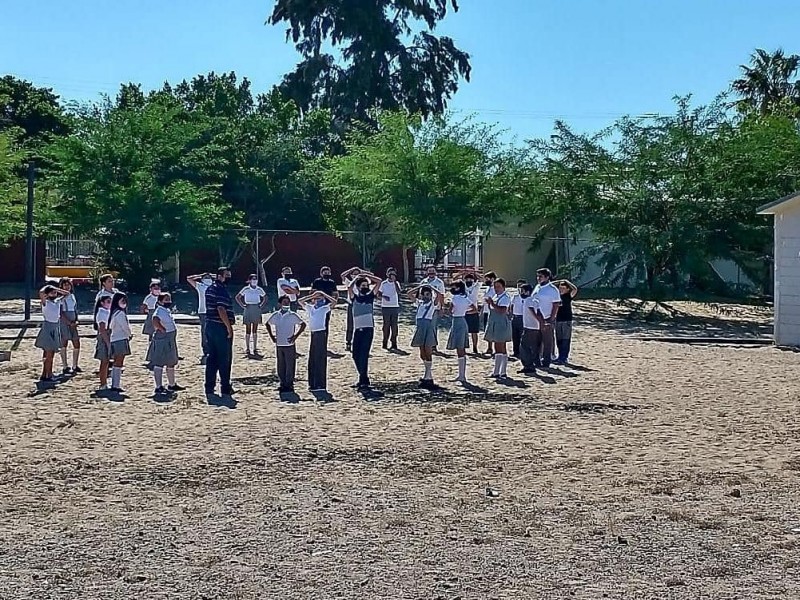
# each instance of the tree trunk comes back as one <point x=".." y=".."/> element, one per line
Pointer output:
<point x="405" y="264"/>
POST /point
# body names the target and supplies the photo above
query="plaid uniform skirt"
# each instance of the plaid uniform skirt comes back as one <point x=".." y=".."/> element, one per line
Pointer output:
<point x="425" y="334"/>
<point x="101" y="350"/>
<point x="69" y="334"/>
<point x="121" y="348"/>
<point x="148" y="328"/>
<point x="252" y="314"/>
<point x="49" y="337"/>
<point x="459" y="334"/>
<point x="498" y="329"/>
<point x="164" y="349"/>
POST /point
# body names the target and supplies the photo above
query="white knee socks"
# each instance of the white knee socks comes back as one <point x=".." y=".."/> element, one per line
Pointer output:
<point x="503" y="364"/>
<point x="116" y="377"/>
<point x="171" y="375"/>
<point x="158" y="375"/>
<point x="496" y="370"/>
<point x="428" y="369"/>
<point x="462" y="368"/>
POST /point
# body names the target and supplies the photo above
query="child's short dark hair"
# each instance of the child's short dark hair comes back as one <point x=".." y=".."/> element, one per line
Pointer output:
<point x="163" y="296"/>
<point x="105" y="277"/>
<point x="222" y="270"/>
<point x="283" y="297"/>
<point x="47" y="289"/>
<point x="490" y="275"/>
<point x="527" y="287"/>
<point x="361" y="280"/>
<point x="521" y="281"/>
<point x="545" y="272"/>
<point x="425" y="288"/>
<point x="501" y="281"/>
<point x="64" y="280"/>
<point x="460" y="287"/>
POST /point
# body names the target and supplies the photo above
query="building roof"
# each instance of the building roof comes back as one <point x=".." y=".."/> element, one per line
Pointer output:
<point x="778" y="205"/>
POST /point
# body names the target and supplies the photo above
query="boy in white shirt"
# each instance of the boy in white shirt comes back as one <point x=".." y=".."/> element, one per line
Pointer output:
<point x="288" y="286"/>
<point x="390" y="308"/>
<point x="201" y="283"/>
<point x="318" y="308"/>
<point x="549" y="300"/>
<point x="530" y="345"/>
<point x="288" y="327"/>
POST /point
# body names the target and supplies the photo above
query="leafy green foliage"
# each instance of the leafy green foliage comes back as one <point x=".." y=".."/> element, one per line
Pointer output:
<point x="769" y="82"/>
<point x="33" y="112"/>
<point x="376" y="67"/>
<point x="12" y="190"/>
<point x="131" y="179"/>
<point x="429" y="183"/>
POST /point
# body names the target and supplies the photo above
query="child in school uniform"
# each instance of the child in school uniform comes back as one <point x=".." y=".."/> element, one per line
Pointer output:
<point x="49" y="337"/>
<point x="531" y="343"/>
<point x="498" y="327"/>
<point x="149" y="307"/>
<point x="426" y="298"/>
<point x="517" y="311"/>
<point x="458" y="340"/>
<point x="119" y="337"/>
<point x="252" y="299"/>
<point x="318" y="308"/>
<point x="106" y="287"/>
<point x="164" y="347"/>
<point x="288" y="286"/>
<point x="288" y="327"/>
<point x="201" y="283"/>
<point x="568" y="291"/>
<point x="69" y="327"/>
<point x="473" y="316"/>
<point x="488" y="280"/>
<point x="102" y="351"/>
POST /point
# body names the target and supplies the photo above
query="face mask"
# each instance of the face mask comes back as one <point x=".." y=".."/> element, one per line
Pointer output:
<point x="167" y="304"/>
<point x="320" y="303"/>
<point x="207" y="281"/>
<point x="326" y="275"/>
<point x="52" y="297"/>
<point x="253" y="283"/>
<point x="287" y="275"/>
<point x="364" y="291"/>
<point x="469" y="282"/>
<point x="155" y="292"/>
<point x="455" y="291"/>
<point x="284" y="309"/>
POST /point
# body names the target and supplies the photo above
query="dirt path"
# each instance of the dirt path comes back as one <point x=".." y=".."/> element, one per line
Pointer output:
<point x="652" y="471"/>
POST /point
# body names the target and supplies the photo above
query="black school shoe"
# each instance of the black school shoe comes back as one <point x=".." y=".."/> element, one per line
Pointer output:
<point x="428" y="384"/>
<point x="175" y="388"/>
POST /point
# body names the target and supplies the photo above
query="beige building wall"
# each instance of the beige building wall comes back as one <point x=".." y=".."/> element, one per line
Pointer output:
<point x="507" y="251"/>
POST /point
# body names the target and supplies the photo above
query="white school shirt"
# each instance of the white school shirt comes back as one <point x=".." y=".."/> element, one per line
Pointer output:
<point x="290" y="283"/>
<point x="530" y="305"/>
<point x="316" y="316"/>
<point x="426" y="310"/>
<point x="51" y="311"/>
<point x="473" y="292"/>
<point x="103" y="293"/>
<point x="350" y="284"/>
<point x="252" y="295"/>
<point x="167" y="322"/>
<point x="120" y="327"/>
<point x="490" y="293"/>
<point x="388" y="290"/>
<point x="150" y="301"/>
<point x="502" y="300"/>
<point x="69" y="303"/>
<point x="101" y="317"/>
<point x="285" y="325"/>
<point x="201" y="297"/>
<point x="547" y="295"/>
<point x="461" y="305"/>
<point x="516" y="305"/>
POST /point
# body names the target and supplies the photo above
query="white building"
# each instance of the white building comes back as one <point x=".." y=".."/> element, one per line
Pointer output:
<point x="787" y="268"/>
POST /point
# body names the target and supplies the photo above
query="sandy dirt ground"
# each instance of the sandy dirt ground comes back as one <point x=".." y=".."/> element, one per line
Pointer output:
<point x="649" y="470"/>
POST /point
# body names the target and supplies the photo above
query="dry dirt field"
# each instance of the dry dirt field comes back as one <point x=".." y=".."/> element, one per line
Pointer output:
<point x="651" y="470"/>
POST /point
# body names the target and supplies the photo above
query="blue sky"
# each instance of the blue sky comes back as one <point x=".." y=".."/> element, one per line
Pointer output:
<point x="586" y="61"/>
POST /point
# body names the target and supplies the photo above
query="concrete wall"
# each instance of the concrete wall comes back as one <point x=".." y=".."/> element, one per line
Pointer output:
<point x="511" y="256"/>
<point x="787" y="276"/>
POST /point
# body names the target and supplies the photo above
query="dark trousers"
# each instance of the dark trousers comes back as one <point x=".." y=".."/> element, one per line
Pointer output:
<point x="548" y="343"/>
<point x="287" y="366"/>
<point x="348" y="334"/>
<point x="220" y="355"/>
<point x="203" y="336"/>
<point x="516" y="333"/>
<point x="391" y="316"/>
<point x="362" y="344"/>
<point x="530" y="347"/>
<point x="563" y="339"/>
<point x="318" y="361"/>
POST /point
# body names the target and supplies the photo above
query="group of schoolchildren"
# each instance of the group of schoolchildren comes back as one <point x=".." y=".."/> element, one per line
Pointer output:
<point x="536" y="321"/>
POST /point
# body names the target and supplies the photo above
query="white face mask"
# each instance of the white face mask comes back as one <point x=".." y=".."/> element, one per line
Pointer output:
<point x="253" y="283"/>
<point x="207" y="281"/>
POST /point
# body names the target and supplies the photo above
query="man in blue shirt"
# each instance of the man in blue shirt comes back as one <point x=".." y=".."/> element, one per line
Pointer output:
<point x="219" y="334"/>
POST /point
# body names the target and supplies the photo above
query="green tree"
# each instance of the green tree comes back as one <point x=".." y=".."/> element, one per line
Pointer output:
<point x="12" y="190"/>
<point x="387" y="56"/>
<point x="768" y="81"/>
<point x="429" y="183"/>
<point x="132" y="179"/>
<point x="32" y="110"/>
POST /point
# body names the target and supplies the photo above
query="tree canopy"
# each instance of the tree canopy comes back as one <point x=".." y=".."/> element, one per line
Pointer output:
<point x="388" y="57"/>
<point x="768" y="81"/>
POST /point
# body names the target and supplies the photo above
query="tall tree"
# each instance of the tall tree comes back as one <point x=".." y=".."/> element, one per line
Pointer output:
<point x="387" y="58"/>
<point x="12" y="190"/>
<point x="34" y="111"/>
<point x="133" y="179"/>
<point x="768" y="81"/>
<point x="429" y="183"/>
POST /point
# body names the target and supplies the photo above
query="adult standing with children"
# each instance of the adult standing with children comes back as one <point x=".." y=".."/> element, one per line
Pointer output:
<point x="219" y="329"/>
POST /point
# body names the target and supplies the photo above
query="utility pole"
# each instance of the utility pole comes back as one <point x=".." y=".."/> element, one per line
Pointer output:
<point x="29" y="268"/>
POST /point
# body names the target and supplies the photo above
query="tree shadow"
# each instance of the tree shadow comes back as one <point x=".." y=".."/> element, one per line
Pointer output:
<point x="580" y="368"/>
<point x="597" y="407"/>
<point x="560" y="373"/>
<point x="399" y="352"/>
<point x="224" y="401"/>
<point x="511" y="382"/>
<point x="258" y="380"/>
